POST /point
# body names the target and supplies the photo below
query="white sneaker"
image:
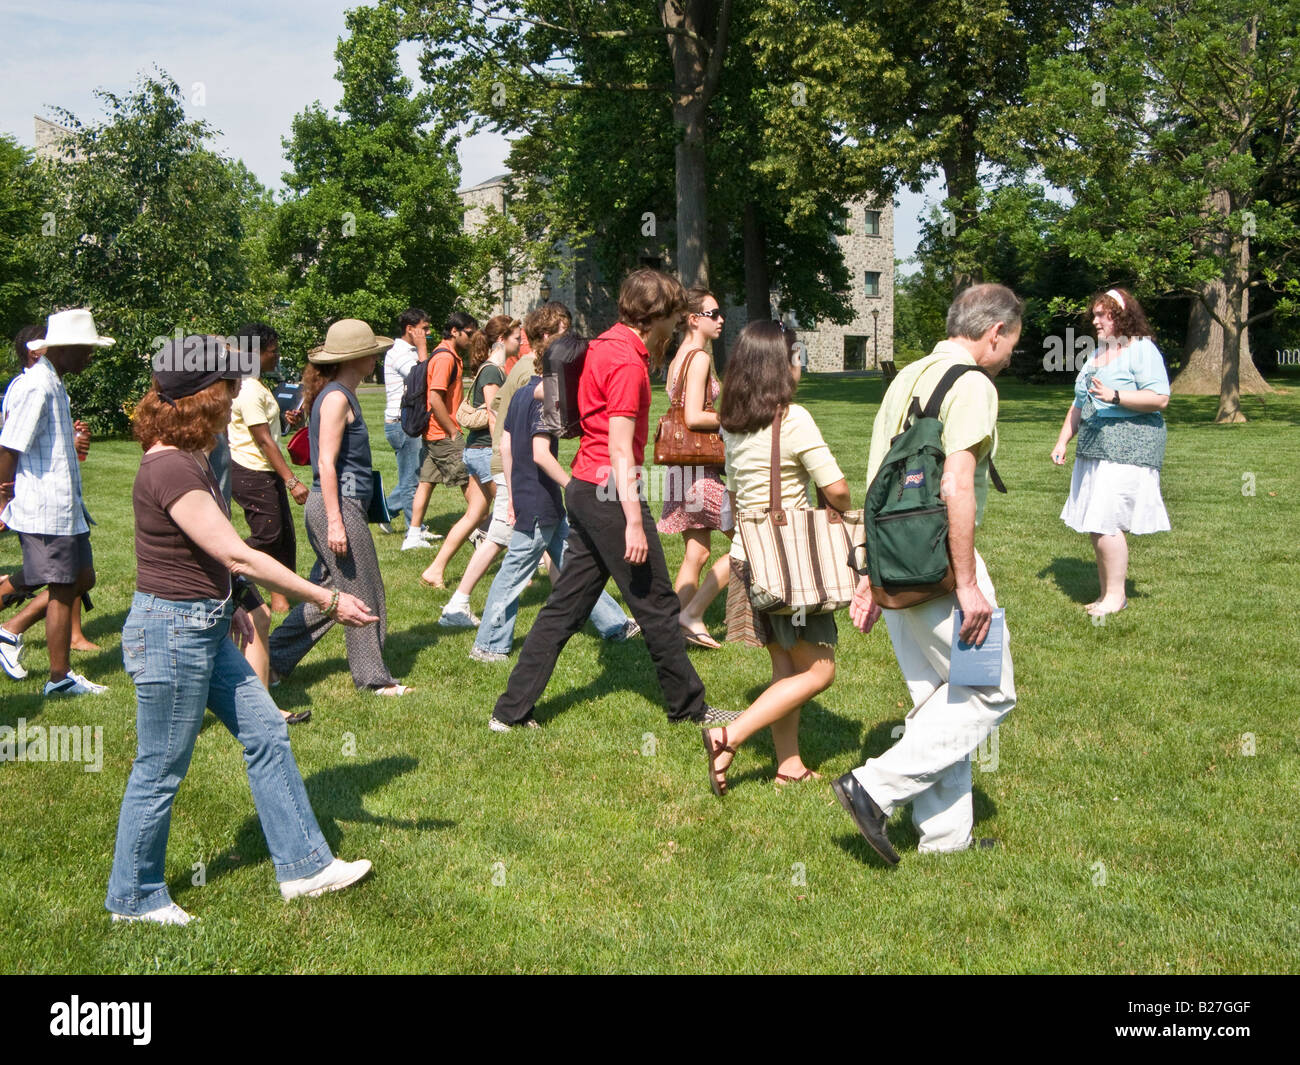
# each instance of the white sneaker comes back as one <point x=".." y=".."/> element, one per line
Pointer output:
<point x="73" y="684"/>
<point x="334" y="877"/>
<point x="459" y="619"/>
<point x="428" y="535"/>
<point x="411" y="543"/>
<point x="169" y="914"/>
<point x="11" y="654"/>
<point x="386" y="528"/>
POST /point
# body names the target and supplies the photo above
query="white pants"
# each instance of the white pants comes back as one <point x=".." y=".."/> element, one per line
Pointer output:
<point x="929" y="766"/>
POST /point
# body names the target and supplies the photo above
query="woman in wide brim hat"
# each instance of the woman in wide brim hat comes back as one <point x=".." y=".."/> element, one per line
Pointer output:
<point x="335" y="514"/>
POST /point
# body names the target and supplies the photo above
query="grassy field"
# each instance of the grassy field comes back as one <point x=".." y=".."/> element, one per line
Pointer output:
<point x="1143" y="788"/>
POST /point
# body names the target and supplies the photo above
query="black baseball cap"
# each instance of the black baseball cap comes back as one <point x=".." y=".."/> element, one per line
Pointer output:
<point x="185" y="366"/>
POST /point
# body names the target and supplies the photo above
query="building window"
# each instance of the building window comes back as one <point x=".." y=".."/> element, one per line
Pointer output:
<point x="873" y="283"/>
<point x="873" y="223"/>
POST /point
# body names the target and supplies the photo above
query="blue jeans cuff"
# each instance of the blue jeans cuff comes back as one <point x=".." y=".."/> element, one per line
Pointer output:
<point x="155" y="901"/>
<point x="305" y="867"/>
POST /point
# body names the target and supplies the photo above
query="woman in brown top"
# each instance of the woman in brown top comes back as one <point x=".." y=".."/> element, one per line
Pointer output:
<point x="176" y="650"/>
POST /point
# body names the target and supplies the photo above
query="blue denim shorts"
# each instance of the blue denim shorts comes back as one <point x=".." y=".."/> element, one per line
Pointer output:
<point x="478" y="460"/>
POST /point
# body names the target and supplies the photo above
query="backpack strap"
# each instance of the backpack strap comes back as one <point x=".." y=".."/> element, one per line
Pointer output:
<point x="936" y="399"/>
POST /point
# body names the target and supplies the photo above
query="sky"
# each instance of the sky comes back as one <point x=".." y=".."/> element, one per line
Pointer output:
<point x="246" y="68"/>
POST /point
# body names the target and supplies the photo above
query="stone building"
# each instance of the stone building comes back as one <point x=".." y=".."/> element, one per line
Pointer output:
<point x="49" y="138"/>
<point x="867" y="246"/>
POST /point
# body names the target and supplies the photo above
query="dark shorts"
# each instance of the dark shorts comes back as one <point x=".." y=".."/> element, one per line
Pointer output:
<point x="754" y="628"/>
<point x="54" y="559"/>
<point x="441" y="462"/>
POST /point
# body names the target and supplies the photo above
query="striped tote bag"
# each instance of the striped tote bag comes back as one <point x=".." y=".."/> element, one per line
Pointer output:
<point x="800" y="561"/>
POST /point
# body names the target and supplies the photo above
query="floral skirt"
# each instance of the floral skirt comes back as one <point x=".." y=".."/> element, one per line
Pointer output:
<point x="695" y="497"/>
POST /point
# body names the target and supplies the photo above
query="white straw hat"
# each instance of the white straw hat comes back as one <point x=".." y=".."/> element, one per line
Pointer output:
<point x="348" y="339"/>
<point x="70" y="329"/>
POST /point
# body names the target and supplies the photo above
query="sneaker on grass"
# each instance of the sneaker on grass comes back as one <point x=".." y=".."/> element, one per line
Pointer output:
<point x="73" y="684"/>
<point x="504" y="726"/>
<point x="479" y="654"/>
<point x="334" y="877"/>
<point x="169" y="914"/>
<point x="11" y="654"/>
<point x="459" y="619"/>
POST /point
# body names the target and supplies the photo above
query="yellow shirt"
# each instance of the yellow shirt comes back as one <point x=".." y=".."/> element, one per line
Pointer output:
<point x="254" y="405"/>
<point x="969" y="413"/>
<point x="804" y="457"/>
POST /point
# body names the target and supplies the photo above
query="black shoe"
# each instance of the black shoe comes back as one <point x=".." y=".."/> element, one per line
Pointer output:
<point x="869" y="818"/>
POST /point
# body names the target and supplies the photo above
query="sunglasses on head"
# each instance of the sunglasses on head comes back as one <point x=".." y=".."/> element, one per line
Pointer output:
<point x="716" y="313"/>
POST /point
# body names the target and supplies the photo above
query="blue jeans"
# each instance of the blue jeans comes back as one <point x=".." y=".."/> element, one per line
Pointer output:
<point x="181" y="660"/>
<point x="497" y="632"/>
<point x="408" y="468"/>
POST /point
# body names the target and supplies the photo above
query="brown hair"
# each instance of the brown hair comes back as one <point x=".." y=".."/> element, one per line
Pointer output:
<point x="1130" y="320"/>
<point x="759" y="380"/>
<point x="695" y="298"/>
<point x="547" y="319"/>
<point x="499" y="327"/>
<point x="314" y="380"/>
<point x="191" y="423"/>
<point x="479" y="350"/>
<point x="649" y="294"/>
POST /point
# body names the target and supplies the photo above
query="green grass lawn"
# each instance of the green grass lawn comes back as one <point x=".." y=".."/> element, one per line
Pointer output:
<point x="1138" y="836"/>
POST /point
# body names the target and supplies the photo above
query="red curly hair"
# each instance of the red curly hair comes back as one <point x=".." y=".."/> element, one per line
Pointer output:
<point x="191" y="424"/>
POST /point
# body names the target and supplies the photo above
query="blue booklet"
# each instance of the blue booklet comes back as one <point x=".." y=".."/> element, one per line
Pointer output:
<point x="978" y="667"/>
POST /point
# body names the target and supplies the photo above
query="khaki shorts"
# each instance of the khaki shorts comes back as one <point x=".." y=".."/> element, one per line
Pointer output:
<point x="441" y="462"/>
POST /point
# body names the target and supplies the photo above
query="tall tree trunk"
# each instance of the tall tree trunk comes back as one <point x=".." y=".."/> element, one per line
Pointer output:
<point x="961" y="180"/>
<point x="1215" y="360"/>
<point x="696" y="69"/>
<point x="758" y="286"/>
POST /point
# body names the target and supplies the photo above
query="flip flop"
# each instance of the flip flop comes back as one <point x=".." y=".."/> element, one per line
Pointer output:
<point x="433" y="584"/>
<point x="700" y="639"/>
<point x="394" y="690"/>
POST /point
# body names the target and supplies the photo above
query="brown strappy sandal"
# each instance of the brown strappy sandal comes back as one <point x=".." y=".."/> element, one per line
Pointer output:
<point x="782" y="779"/>
<point x="719" y="786"/>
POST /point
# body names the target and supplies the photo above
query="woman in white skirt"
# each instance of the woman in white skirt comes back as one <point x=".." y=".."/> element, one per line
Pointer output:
<point x="1118" y="397"/>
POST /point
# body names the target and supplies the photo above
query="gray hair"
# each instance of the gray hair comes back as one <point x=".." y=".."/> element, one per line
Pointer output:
<point x="980" y="307"/>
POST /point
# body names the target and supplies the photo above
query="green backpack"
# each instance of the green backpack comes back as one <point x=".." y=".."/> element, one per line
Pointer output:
<point x="906" y="517"/>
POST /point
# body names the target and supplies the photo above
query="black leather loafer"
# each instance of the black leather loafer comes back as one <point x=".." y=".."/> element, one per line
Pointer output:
<point x="869" y="818"/>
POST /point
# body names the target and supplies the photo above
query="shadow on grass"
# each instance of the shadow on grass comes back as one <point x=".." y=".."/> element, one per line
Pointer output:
<point x="1077" y="578"/>
<point x="336" y="795"/>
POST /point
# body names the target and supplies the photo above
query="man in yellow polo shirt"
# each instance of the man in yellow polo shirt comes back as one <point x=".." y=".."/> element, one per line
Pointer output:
<point x="929" y="766"/>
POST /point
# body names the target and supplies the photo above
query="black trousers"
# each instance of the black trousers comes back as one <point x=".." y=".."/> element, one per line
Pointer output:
<point x="594" y="553"/>
<point x="266" y="507"/>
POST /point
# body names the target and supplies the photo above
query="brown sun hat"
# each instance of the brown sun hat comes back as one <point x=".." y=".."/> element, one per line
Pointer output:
<point x="348" y="339"/>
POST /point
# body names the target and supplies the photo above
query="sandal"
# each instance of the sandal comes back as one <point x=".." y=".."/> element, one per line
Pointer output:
<point x="432" y="584"/>
<point x="296" y="719"/>
<point x="394" y="690"/>
<point x="699" y="639"/>
<point x="719" y="786"/>
<point x="782" y="779"/>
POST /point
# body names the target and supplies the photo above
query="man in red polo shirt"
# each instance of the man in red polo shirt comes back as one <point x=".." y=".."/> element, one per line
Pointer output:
<point x="612" y="533"/>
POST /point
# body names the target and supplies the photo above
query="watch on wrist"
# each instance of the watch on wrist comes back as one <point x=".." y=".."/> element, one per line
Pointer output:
<point x="292" y="482"/>
<point x="1115" y="401"/>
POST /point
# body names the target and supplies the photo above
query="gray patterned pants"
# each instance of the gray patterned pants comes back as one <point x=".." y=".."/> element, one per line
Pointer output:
<point x="356" y="572"/>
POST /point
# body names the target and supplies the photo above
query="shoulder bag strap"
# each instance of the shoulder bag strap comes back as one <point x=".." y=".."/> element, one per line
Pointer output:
<point x="774" y="507"/>
<point x="679" y="399"/>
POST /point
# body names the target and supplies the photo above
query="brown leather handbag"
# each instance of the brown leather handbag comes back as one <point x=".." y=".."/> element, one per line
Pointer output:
<point x="677" y="445"/>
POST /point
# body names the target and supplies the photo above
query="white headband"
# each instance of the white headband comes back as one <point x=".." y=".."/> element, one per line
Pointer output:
<point x="1114" y="294"/>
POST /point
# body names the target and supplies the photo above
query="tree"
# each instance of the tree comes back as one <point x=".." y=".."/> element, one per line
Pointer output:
<point x="637" y="122"/>
<point x="372" y="221"/>
<point x="1174" y="127"/>
<point x="880" y="95"/>
<point x="144" y="225"/>
<point x="22" y="201"/>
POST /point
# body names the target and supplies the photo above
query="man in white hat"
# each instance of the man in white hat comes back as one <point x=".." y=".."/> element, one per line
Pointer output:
<point x="40" y="485"/>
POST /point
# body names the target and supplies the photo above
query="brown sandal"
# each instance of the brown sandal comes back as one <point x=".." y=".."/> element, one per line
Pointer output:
<point x="782" y="779"/>
<point x="719" y="786"/>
